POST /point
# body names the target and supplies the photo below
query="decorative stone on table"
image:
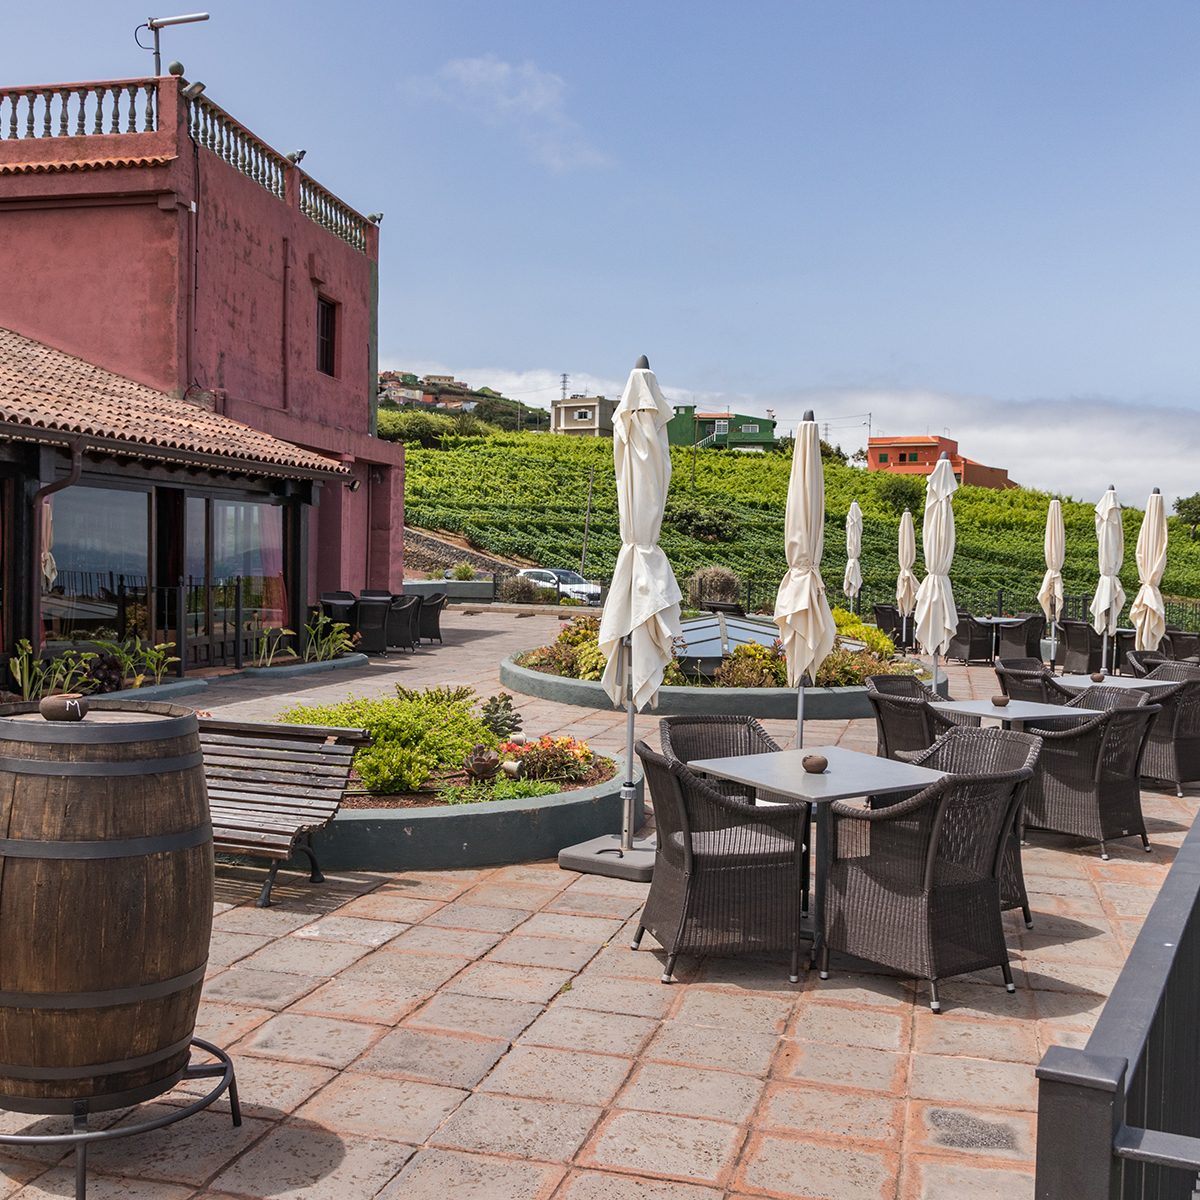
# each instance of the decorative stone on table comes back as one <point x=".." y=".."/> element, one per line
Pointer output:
<point x="66" y="706"/>
<point x="815" y="764"/>
<point x="1000" y="701"/>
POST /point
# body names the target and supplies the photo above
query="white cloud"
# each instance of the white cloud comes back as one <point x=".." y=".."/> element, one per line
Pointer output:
<point x="1074" y="447"/>
<point x="524" y="99"/>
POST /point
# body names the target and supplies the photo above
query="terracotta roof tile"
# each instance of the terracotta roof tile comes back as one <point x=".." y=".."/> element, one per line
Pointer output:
<point x="85" y="164"/>
<point x="49" y="392"/>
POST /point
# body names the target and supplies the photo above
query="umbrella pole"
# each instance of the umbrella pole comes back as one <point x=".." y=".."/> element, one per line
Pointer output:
<point x="628" y="791"/>
<point x="800" y="715"/>
<point x="1053" y="637"/>
<point x="1104" y="653"/>
<point x="935" y="673"/>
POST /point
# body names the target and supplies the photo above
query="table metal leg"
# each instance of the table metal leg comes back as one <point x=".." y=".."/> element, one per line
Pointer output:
<point x="821" y="826"/>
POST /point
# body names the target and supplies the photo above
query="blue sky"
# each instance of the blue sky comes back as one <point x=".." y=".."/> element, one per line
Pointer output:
<point x="980" y="217"/>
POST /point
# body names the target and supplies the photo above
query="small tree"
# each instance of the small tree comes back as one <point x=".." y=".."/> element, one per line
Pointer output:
<point x="899" y="492"/>
<point x="1187" y="509"/>
<point x="859" y="457"/>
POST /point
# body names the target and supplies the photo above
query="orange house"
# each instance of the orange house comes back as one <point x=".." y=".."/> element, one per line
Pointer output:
<point x="918" y="456"/>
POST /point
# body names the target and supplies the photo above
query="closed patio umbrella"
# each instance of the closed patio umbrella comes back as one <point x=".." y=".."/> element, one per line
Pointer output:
<point x="1050" y="594"/>
<point x="906" y="581"/>
<point x="852" y="581"/>
<point x="1147" y="614"/>
<point x="937" y="618"/>
<point x="1110" y="545"/>
<point x="801" y="610"/>
<point x="46" y="535"/>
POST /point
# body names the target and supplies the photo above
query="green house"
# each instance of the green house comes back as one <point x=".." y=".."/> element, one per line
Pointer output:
<point x="733" y="430"/>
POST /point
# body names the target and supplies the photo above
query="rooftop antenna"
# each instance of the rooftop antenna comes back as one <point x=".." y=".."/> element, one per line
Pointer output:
<point x="154" y="24"/>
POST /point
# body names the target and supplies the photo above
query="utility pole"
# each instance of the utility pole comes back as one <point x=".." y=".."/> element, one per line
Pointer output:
<point x="564" y="385"/>
<point x="587" y="521"/>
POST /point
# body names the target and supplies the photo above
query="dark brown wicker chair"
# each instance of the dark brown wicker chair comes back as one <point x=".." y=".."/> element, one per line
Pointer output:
<point x="973" y="641"/>
<point x="371" y="617"/>
<point x="1024" y="639"/>
<point x="685" y="739"/>
<point x="1086" y="783"/>
<point x="906" y="715"/>
<point x="1185" y="645"/>
<point x="727" y="874"/>
<point x="404" y="613"/>
<point x="429" y="619"/>
<point x="1036" y="683"/>
<point x="1173" y="748"/>
<point x="1080" y="647"/>
<point x="1142" y="662"/>
<point x="916" y="885"/>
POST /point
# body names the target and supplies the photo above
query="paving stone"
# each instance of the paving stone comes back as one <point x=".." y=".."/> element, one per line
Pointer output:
<point x="974" y="1081"/>
<point x="224" y="1024"/>
<point x="505" y="981"/>
<point x="560" y="953"/>
<point x="939" y="1128"/>
<point x="524" y="1128"/>
<point x="304" y="1162"/>
<point x="1012" y="1041"/>
<point x="546" y="1074"/>
<point x="800" y="1167"/>
<point x="305" y="957"/>
<point x="536" y="874"/>
<point x="390" y="908"/>
<point x="976" y="1000"/>
<point x="442" y="1058"/>
<point x="247" y="986"/>
<point x="264" y="922"/>
<point x="189" y="1152"/>
<point x="583" y="1029"/>
<point x="596" y="1185"/>
<point x="688" y="1092"/>
<point x="399" y="1110"/>
<point x="660" y="1144"/>
<point x="392" y="968"/>
<point x="357" y="930"/>
<point x="475" y="916"/>
<point x="319" y="1040"/>
<point x="842" y="1066"/>
<point x="850" y="987"/>
<point x="955" y="1179"/>
<point x="227" y="948"/>
<point x="631" y="996"/>
<point x="481" y="1015"/>
<point x="59" y="1183"/>
<point x="432" y="885"/>
<point x="361" y="1000"/>
<point x="826" y="1112"/>
<point x="455" y="943"/>
<point x="735" y="1050"/>
<point x="845" y="1026"/>
<point x="646" y="963"/>
<point x="595" y="931"/>
<point x="593" y="904"/>
<point x="1063" y="976"/>
<point x="510" y="895"/>
<point x="266" y="1088"/>
<point x="719" y="1009"/>
<point x="450" y="1174"/>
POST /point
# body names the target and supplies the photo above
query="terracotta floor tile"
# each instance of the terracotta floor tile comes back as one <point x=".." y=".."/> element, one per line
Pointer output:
<point x="432" y="1056"/>
<point x="594" y="931"/>
<point x="978" y="1081"/>
<point x="304" y="957"/>
<point x="360" y="1000"/>
<point x="371" y="1106"/>
<point x="59" y="1183"/>
<point x="319" y="1040"/>
<point x="584" y="1029"/>
<point x="454" y="943"/>
<point x="1012" y="1041"/>
<point x="824" y="1112"/>
<point x="658" y="1144"/>
<point x="451" y="1174"/>
<point x="543" y="1073"/>
<point x="482" y="1015"/>
<point x="246" y="987"/>
<point x="475" y="916"/>
<point x="356" y="930"/>
<point x="596" y="1185"/>
<point x="797" y="1166"/>
<point x="842" y="1067"/>
<point x="688" y="1092"/>
<point x="560" y="953"/>
<point x="928" y="1178"/>
<point x="390" y="908"/>
<point x="506" y="981"/>
<point x="528" y="1129"/>
<point x="735" y="1050"/>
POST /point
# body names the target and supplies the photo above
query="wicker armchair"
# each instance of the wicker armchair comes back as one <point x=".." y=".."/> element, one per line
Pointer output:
<point x="887" y="620"/>
<point x="1185" y="645"/>
<point x="404" y="613"/>
<point x="1142" y="662"/>
<point x="972" y="642"/>
<point x="1034" y="683"/>
<point x="1023" y="639"/>
<point x="685" y="739"/>
<point x="1086" y="783"/>
<point x="1080" y="647"/>
<point x="727" y="875"/>
<point x="372" y="618"/>
<point x="429" y="619"/>
<point x="916" y="886"/>
<point x="906" y="714"/>
<point x="1173" y="748"/>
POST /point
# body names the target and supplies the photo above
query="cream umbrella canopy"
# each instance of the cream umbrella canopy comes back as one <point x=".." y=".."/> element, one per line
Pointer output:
<point x="937" y="617"/>
<point x="46" y="540"/>
<point x="801" y="610"/>
<point x="1110" y="545"/>
<point x="906" y="581"/>
<point x="852" y="580"/>
<point x="1148" y="614"/>
<point x="641" y="614"/>
<point x="1050" y="594"/>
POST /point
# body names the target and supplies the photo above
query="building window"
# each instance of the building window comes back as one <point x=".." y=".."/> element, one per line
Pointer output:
<point x="749" y="428"/>
<point x="583" y="414"/>
<point x="721" y="427"/>
<point x="883" y="458"/>
<point x="326" y="336"/>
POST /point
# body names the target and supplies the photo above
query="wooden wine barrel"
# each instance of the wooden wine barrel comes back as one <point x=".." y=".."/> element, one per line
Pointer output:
<point x="106" y="890"/>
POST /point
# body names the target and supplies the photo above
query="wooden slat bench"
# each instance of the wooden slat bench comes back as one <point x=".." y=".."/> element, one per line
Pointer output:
<point x="271" y="786"/>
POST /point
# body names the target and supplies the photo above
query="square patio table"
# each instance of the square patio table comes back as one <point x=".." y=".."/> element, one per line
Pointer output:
<point x="1080" y="683"/>
<point x="850" y="775"/>
<point x="1016" y="712"/>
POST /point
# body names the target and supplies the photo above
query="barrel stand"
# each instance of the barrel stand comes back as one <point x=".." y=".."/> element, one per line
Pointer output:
<point x="81" y="1137"/>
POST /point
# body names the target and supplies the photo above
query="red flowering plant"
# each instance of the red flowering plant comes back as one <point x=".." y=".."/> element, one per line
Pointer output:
<point x="549" y="757"/>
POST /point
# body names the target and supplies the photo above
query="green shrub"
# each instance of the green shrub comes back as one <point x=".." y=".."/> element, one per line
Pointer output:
<point x="714" y="583"/>
<point x="499" y="715"/>
<point x="753" y="666"/>
<point x="561" y="758"/>
<point x="706" y="524"/>
<point x="482" y="790"/>
<point x="850" y="668"/>
<point x="520" y="589"/>
<point x="462" y="570"/>
<point x="851" y="626"/>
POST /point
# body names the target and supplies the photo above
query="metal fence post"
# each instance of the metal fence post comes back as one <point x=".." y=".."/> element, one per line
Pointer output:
<point x="181" y="627"/>
<point x="237" y="623"/>
<point x="1081" y="1105"/>
<point x="749" y="594"/>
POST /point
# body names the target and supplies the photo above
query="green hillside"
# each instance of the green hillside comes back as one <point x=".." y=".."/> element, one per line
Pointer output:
<point x="524" y="496"/>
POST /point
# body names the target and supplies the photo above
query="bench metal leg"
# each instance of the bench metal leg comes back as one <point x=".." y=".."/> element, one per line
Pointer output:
<point x="305" y="848"/>
<point x="264" y="897"/>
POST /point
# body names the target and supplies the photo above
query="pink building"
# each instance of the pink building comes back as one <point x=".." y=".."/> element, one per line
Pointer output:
<point x="158" y="239"/>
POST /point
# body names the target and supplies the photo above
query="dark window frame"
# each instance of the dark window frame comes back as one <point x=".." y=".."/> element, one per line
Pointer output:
<point x="327" y="323"/>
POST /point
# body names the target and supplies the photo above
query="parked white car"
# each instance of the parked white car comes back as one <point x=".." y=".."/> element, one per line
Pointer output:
<point x="565" y="582"/>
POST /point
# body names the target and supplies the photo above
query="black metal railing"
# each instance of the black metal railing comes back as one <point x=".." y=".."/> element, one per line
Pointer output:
<point x="1120" y="1119"/>
<point x="212" y="624"/>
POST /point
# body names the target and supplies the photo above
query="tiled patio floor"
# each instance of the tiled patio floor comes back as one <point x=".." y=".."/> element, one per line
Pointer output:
<point x="489" y="1035"/>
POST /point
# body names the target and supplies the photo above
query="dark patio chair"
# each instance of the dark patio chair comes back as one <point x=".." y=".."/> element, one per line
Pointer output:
<point x="1080" y="647"/>
<point x="402" y="621"/>
<point x="1173" y="748"/>
<point x="972" y="641"/>
<point x="340" y="606"/>
<point x="1023" y="639"/>
<point x="916" y="885"/>
<point x="1185" y="645"/>
<point x="727" y="875"/>
<point x="372" y="615"/>
<point x="1087" y="781"/>
<point x="685" y="739"/>
<point x="1030" y="680"/>
<point x="429" y="619"/>
<point x="1142" y="662"/>
<point x="731" y="608"/>
<point x="887" y="619"/>
<point x="377" y="594"/>
<point x="906" y="716"/>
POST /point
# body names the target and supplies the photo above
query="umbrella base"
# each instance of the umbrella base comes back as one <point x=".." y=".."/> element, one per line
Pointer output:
<point x="602" y="856"/>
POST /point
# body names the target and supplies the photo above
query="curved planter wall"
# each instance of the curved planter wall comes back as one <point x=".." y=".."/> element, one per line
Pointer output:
<point x="473" y="835"/>
<point x="820" y="704"/>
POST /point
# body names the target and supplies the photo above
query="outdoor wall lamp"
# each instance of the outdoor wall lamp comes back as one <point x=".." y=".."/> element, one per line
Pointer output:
<point x="354" y="485"/>
<point x="192" y="90"/>
<point x="296" y="156"/>
<point x="374" y="218"/>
